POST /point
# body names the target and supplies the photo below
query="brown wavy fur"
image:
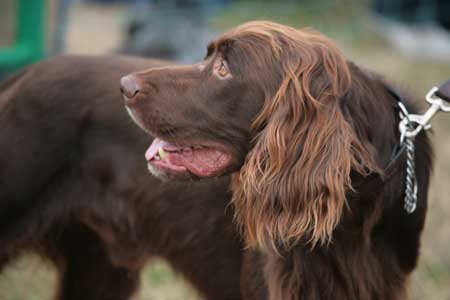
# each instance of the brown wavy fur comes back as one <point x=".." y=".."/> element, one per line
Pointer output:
<point x="292" y="186"/>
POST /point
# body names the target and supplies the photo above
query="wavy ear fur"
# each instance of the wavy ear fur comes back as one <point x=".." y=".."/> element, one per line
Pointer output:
<point x="293" y="184"/>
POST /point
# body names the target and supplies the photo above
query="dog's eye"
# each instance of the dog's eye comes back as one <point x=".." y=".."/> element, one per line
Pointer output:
<point x="223" y="69"/>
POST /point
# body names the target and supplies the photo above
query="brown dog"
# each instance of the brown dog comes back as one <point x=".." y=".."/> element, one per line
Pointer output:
<point x="309" y="136"/>
<point x="74" y="187"/>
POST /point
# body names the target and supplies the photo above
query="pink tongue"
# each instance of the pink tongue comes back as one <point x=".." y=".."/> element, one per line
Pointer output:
<point x="201" y="162"/>
<point x="154" y="147"/>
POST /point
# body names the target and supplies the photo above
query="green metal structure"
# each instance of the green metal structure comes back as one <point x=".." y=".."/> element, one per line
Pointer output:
<point x="29" y="40"/>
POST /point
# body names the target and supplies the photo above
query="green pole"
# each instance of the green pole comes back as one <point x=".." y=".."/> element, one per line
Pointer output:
<point x="29" y="40"/>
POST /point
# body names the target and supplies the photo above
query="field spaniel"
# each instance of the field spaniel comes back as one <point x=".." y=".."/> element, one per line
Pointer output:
<point x="306" y="137"/>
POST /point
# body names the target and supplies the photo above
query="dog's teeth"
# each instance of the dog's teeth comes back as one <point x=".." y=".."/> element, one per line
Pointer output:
<point x="163" y="154"/>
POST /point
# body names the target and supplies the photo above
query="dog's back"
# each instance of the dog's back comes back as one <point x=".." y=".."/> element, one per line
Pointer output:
<point x="74" y="186"/>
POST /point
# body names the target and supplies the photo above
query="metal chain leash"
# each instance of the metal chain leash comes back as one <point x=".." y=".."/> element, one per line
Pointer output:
<point x="411" y="179"/>
<point x="410" y="126"/>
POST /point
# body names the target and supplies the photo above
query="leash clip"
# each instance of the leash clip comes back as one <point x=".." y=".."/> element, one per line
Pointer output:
<point x="432" y="98"/>
<point x="412" y="124"/>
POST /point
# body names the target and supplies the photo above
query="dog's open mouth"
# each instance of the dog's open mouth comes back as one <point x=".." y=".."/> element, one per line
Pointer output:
<point x="202" y="161"/>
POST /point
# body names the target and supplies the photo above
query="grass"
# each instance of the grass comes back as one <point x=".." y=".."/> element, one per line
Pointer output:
<point x="159" y="282"/>
<point x="347" y="23"/>
<point x="29" y="278"/>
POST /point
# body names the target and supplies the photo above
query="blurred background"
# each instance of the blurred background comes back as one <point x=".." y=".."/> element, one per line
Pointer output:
<point x="408" y="41"/>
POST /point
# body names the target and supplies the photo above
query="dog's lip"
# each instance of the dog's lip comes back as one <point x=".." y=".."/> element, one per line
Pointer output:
<point x="178" y="142"/>
<point x="173" y="147"/>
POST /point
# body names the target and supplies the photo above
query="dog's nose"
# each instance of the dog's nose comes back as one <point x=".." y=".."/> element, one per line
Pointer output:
<point x="130" y="86"/>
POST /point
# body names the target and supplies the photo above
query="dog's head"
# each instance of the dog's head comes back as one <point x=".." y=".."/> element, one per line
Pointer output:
<point x="266" y="102"/>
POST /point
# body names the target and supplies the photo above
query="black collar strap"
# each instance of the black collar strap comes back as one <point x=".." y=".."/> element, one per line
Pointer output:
<point x="399" y="148"/>
<point x="375" y="180"/>
<point x="443" y="91"/>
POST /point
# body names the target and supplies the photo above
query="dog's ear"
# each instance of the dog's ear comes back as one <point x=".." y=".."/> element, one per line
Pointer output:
<point x="292" y="186"/>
